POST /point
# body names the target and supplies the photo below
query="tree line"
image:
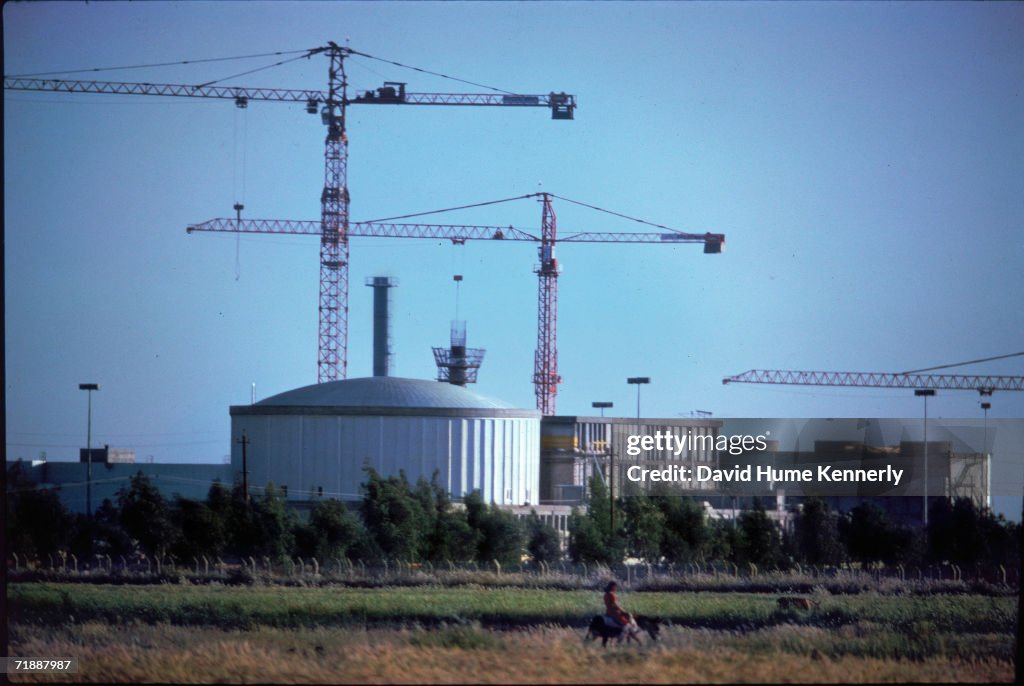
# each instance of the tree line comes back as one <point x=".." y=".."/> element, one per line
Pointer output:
<point x="396" y="520"/>
<point x="666" y="526"/>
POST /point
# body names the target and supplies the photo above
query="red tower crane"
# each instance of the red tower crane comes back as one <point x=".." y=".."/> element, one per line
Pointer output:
<point x="333" y="228"/>
<point x="545" y="374"/>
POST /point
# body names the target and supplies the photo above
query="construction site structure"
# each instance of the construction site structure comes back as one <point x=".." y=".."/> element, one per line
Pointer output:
<point x="458" y="364"/>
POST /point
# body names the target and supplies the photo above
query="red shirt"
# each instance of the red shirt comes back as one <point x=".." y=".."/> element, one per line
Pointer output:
<point x="612" y="609"/>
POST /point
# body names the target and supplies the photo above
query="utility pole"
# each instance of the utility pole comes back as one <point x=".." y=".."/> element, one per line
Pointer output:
<point x="986" y="406"/>
<point x="925" y="393"/>
<point x="89" y="387"/>
<point x="244" y="441"/>
<point x="611" y="492"/>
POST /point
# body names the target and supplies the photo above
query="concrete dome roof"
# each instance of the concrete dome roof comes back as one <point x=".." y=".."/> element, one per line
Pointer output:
<point x="383" y="395"/>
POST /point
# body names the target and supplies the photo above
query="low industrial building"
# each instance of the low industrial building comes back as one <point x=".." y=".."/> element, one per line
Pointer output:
<point x="573" y="449"/>
<point x="70" y="479"/>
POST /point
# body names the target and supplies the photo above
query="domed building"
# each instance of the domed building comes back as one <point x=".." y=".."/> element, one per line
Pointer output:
<point x="316" y="441"/>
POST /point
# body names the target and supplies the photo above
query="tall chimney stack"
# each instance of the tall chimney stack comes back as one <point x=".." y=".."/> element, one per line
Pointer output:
<point x="383" y="359"/>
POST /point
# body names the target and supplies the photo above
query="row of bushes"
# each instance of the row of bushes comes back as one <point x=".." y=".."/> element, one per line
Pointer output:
<point x="566" y="576"/>
<point x="419" y="523"/>
<point x="394" y="521"/>
<point x="271" y="606"/>
<point x="664" y="526"/>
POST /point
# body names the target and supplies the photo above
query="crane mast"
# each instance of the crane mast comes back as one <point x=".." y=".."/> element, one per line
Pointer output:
<point x="545" y="364"/>
<point x="332" y="357"/>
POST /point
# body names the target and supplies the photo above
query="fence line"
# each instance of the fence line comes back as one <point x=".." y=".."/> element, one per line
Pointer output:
<point x="630" y="575"/>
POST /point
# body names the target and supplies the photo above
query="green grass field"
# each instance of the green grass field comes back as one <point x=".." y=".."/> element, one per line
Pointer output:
<point x="432" y="634"/>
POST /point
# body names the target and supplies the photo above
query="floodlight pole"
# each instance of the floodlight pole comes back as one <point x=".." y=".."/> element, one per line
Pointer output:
<point x="986" y="406"/>
<point x="602" y="404"/>
<point x="925" y="393"/>
<point x="89" y="387"/>
<point x="638" y="381"/>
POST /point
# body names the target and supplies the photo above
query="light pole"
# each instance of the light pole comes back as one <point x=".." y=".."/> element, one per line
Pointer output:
<point x="986" y="406"/>
<point x="611" y="460"/>
<point x="89" y="387"/>
<point x="925" y="393"/>
<point x="638" y="381"/>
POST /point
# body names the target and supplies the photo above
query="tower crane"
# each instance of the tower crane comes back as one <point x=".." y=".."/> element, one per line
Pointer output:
<point x="545" y="374"/>
<point x="333" y="228"/>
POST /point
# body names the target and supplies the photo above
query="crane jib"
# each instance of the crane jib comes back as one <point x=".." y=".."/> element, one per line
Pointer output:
<point x="984" y="384"/>
<point x="562" y="105"/>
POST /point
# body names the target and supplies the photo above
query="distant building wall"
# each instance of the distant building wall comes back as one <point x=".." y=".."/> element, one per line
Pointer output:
<point x="318" y="440"/>
<point x="68" y="479"/>
<point x="325" y="456"/>
<point x="573" y="449"/>
<point x="107" y="454"/>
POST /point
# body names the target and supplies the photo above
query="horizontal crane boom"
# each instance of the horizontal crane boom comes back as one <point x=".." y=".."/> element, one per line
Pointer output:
<point x="454" y="232"/>
<point x="310" y="97"/>
<point x="167" y="89"/>
<point x="982" y="384"/>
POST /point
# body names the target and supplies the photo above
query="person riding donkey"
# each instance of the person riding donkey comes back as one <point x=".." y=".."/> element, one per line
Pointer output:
<point x="618" y="617"/>
<point x="618" y="624"/>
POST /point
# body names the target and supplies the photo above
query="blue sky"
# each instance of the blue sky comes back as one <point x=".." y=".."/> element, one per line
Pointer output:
<point x="864" y="160"/>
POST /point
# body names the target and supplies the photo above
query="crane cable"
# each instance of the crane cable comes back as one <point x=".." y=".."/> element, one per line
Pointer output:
<point x="617" y="214"/>
<point x="157" y="64"/>
<point x="432" y="73"/>
<point x="964" y="364"/>
<point x="534" y="195"/>
<point x="304" y="55"/>
<point x="301" y="54"/>
<point x="450" y="209"/>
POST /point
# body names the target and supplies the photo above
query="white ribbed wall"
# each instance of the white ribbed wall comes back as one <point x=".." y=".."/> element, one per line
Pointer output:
<point x="498" y="456"/>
